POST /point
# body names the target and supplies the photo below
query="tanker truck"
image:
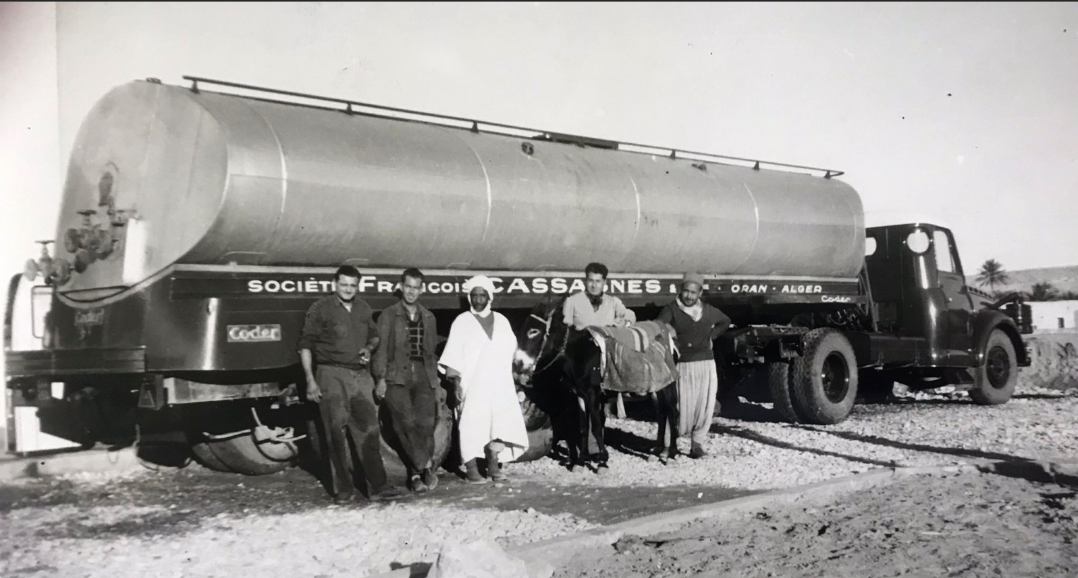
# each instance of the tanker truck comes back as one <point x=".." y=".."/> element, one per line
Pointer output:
<point x="196" y="227"/>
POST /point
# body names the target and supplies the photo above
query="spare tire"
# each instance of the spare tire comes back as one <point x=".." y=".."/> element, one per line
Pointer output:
<point x="204" y="455"/>
<point x="540" y="442"/>
<point x="537" y="423"/>
<point x="393" y="453"/>
<point x="315" y="448"/>
<point x="824" y="379"/>
<point x="243" y="455"/>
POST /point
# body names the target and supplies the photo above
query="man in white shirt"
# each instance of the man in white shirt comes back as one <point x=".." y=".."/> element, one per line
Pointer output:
<point x="593" y="307"/>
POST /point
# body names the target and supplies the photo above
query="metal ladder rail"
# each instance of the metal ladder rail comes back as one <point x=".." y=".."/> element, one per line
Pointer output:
<point x="350" y="108"/>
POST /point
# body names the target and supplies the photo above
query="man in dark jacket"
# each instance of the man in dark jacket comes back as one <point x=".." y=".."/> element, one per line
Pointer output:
<point x="406" y="374"/>
<point x="697" y="325"/>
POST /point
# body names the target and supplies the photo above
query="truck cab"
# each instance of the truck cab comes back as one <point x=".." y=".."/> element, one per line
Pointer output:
<point x="931" y="328"/>
<point x="914" y="321"/>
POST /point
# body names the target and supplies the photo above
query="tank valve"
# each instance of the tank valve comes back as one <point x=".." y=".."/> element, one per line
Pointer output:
<point x="54" y="271"/>
<point x="42" y="266"/>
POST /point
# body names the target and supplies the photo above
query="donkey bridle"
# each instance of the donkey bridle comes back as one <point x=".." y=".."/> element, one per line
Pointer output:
<point x="561" y="351"/>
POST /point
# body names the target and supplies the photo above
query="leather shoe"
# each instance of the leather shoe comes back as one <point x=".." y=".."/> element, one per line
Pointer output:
<point x="342" y="499"/>
<point x="417" y="484"/>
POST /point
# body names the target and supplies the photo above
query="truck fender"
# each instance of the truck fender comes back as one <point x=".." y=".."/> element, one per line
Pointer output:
<point x="988" y="320"/>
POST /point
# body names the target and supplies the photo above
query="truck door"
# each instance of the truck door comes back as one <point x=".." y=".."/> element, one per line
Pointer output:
<point x="954" y="319"/>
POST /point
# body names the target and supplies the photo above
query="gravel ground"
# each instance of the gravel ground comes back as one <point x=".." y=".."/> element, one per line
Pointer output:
<point x="199" y="523"/>
<point x="922" y="430"/>
<point x="955" y="525"/>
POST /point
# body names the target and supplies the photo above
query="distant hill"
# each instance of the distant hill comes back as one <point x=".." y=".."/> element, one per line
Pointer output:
<point x="1062" y="278"/>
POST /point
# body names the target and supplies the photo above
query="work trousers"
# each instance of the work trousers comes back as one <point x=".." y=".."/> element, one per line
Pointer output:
<point x="413" y="410"/>
<point x="348" y="408"/>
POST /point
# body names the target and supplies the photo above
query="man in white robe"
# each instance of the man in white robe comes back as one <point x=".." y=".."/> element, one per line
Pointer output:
<point x="478" y="359"/>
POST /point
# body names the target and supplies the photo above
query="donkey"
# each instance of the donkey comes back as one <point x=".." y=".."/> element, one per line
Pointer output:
<point x="560" y="357"/>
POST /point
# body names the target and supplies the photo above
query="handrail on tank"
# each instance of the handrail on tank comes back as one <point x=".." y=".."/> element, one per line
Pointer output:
<point x="542" y="135"/>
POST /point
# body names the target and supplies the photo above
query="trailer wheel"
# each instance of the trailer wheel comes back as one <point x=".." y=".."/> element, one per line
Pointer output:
<point x="241" y="454"/>
<point x="996" y="379"/>
<point x="778" y="381"/>
<point x="824" y="379"/>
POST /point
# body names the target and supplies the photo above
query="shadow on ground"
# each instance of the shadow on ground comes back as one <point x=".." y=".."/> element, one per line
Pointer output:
<point x="949" y="451"/>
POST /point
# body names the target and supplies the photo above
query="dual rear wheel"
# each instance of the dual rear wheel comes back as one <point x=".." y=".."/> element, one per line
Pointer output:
<point x="820" y="386"/>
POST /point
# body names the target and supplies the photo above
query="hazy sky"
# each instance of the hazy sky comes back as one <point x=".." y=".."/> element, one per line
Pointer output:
<point x="961" y="114"/>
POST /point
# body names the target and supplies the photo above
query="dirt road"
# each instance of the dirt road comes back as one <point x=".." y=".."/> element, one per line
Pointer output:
<point x="956" y="525"/>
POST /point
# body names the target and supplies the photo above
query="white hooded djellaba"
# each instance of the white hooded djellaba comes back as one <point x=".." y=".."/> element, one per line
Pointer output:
<point x="490" y="410"/>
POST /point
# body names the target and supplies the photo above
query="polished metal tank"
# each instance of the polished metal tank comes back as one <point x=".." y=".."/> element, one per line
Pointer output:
<point x="177" y="176"/>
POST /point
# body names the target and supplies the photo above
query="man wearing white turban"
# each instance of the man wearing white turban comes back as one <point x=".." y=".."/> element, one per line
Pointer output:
<point x="478" y="360"/>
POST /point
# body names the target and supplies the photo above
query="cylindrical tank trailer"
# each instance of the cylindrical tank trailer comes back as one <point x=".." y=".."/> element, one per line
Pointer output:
<point x="164" y="175"/>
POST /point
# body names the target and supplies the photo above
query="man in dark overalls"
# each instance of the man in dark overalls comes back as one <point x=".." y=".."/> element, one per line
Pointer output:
<point x="335" y="348"/>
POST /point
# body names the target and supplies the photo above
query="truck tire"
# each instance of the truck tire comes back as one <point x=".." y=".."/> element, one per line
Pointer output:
<point x="994" y="381"/>
<point x="824" y="379"/>
<point x="392" y="452"/>
<point x="778" y="381"/>
<point x="204" y="455"/>
<point x="315" y="449"/>
<point x="537" y="423"/>
<point x="242" y="455"/>
<point x="540" y="442"/>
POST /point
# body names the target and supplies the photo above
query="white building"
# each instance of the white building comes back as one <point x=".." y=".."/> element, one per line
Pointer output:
<point x="1054" y="315"/>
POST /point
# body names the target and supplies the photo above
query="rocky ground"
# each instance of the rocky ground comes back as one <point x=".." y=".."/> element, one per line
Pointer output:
<point x="193" y="522"/>
<point x="955" y="525"/>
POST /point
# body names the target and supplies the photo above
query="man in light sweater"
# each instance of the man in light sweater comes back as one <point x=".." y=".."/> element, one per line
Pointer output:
<point x="697" y="324"/>
<point x="592" y="306"/>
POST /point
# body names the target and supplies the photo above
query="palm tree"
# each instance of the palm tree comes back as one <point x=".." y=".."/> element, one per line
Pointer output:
<point x="1043" y="292"/>
<point x="992" y="274"/>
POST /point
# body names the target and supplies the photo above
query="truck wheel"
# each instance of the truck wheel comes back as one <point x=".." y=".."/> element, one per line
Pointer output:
<point x="996" y="379"/>
<point x="242" y="455"/>
<point x="778" y="381"/>
<point x="824" y="379"/>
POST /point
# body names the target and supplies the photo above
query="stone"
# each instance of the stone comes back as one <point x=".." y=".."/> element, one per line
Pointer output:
<point x="480" y="559"/>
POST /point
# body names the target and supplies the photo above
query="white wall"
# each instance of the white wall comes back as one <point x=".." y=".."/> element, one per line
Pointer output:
<point x="1046" y="314"/>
